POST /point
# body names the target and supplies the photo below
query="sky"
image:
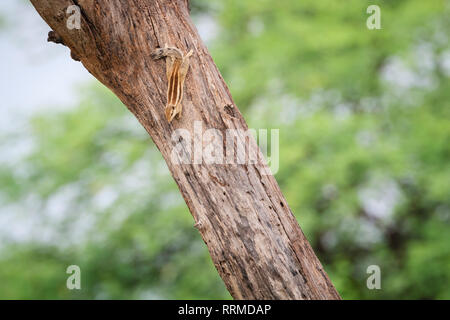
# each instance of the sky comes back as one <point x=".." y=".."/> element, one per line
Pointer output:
<point x="35" y="75"/>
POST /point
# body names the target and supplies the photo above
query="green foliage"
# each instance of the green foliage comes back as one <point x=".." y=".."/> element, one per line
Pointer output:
<point x="363" y="161"/>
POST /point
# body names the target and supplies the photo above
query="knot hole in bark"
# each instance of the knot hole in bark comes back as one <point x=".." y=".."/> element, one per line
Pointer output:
<point x="229" y="109"/>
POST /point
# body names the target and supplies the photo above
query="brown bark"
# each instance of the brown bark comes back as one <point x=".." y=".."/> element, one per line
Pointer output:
<point x="254" y="240"/>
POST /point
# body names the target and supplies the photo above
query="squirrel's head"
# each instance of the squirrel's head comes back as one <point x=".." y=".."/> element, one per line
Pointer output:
<point x="170" y="112"/>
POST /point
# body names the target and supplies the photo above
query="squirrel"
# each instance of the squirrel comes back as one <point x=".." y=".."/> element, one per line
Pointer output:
<point x="177" y="66"/>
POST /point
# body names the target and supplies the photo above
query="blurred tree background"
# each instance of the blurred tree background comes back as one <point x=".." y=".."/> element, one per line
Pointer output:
<point x="364" y="119"/>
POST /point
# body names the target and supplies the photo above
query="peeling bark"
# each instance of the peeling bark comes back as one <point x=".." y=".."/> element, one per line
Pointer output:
<point x="253" y="238"/>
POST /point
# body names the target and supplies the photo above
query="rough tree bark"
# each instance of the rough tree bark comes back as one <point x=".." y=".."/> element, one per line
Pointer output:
<point x="253" y="238"/>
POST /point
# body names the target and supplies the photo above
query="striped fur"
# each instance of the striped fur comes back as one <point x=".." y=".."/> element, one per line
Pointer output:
<point x="177" y="66"/>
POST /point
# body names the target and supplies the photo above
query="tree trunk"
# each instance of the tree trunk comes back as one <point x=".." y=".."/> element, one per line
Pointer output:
<point x="253" y="238"/>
